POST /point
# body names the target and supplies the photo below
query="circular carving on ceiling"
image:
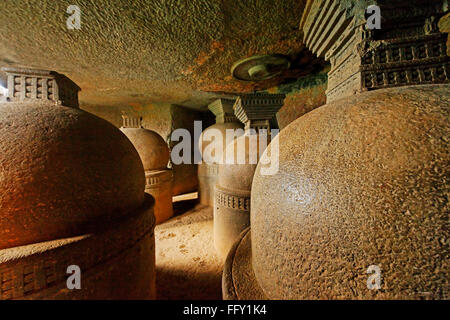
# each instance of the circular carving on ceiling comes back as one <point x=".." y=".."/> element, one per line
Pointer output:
<point x="261" y="67"/>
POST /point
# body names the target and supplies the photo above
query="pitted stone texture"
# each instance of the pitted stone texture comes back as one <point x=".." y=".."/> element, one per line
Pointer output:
<point x="62" y="171"/>
<point x="242" y="156"/>
<point x="193" y="45"/>
<point x="362" y="181"/>
<point x="152" y="148"/>
<point x="238" y="279"/>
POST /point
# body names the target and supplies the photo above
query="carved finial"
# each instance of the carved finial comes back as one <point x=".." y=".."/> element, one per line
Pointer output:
<point x="431" y="25"/>
<point x="223" y="110"/>
<point x="30" y="85"/>
<point x="256" y="110"/>
<point x="131" y="121"/>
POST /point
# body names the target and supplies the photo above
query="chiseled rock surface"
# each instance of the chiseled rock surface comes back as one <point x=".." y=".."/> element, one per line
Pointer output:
<point x="71" y="193"/>
<point x="238" y="279"/>
<point x="154" y="153"/>
<point x="362" y="181"/>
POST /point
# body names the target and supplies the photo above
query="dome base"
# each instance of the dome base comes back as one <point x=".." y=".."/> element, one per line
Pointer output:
<point x="117" y="262"/>
<point x="231" y="217"/>
<point x="238" y="280"/>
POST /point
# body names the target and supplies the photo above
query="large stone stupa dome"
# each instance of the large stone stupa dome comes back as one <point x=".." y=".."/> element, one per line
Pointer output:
<point x="152" y="148"/>
<point x="362" y="181"/>
<point x="62" y="171"/>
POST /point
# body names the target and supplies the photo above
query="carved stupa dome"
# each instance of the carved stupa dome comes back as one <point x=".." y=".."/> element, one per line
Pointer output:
<point x="63" y="171"/>
<point x="212" y="131"/>
<point x="236" y="173"/>
<point x="152" y="148"/>
<point x="362" y="181"/>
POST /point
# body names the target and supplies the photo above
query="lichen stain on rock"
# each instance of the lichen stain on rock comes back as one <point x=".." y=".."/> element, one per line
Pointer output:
<point x="302" y="96"/>
<point x="203" y="57"/>
<point x="136" y="106"/>
<point x="300" y="103"/>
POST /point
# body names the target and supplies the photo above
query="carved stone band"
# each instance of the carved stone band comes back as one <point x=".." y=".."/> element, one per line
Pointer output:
<point x="155" y="178"/>
<point x="210" y="170"/>
<point x="35" y="270"/>
<point x="230" y="199"/>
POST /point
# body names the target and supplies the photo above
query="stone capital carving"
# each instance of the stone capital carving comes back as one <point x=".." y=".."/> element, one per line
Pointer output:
<point x="223" y="110"/>
<point x="256" y="110"/>
<point x="407" y="50"/>
<point x="129" y="121"/>
<point x="30" y="85"/>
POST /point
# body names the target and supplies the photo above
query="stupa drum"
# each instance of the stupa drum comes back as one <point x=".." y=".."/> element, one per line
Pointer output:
<point x="154" y="154"/>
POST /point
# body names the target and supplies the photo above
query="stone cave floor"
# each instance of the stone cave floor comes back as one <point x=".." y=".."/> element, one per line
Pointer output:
<point x="187" y="266"/>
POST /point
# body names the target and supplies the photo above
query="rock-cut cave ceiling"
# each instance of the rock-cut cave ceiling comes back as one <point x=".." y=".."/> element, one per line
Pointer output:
<point x="140" y="51"/>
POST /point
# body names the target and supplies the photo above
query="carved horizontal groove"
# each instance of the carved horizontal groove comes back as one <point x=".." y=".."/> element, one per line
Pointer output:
<point x="347" y="38"/>
<point x="209" y="170"/>
<point x="156" y="179"/>
<point x="37" y="272"/>
<point x="229" y="118"/>
<point x="344" y="88"/>
<point x="434" y="37"/>
<point x="232" y="201"/>
<point x="153" y="181"/>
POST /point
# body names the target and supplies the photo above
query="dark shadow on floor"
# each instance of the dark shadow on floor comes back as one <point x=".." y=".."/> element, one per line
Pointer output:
<point x="187" y="286"/>
<point x="184" y="206"/>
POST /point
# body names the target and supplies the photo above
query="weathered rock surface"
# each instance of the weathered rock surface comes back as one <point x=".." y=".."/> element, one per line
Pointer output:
<point x="362" y="181"/>
<point x="63" y="171"/>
